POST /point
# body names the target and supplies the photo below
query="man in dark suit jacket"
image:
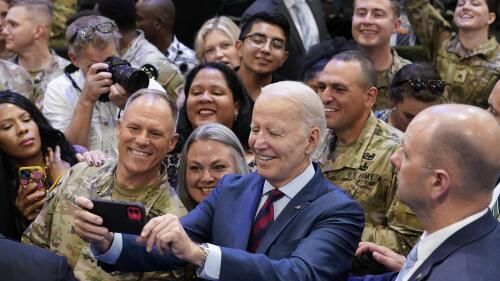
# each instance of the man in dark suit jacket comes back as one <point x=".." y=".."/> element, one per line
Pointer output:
<point x="445" y="174"/>
<point x="24" y="263"/>
<point x="295" y="47"/>
<point x="314" y="228"/>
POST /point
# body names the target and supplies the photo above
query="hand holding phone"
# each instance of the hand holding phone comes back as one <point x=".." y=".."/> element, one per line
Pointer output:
<point x="31" y="194"/>
<point x="120" y="216"/>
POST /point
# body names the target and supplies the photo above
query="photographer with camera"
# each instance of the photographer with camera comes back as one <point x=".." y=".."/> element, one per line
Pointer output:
<point x="85" y="102"/>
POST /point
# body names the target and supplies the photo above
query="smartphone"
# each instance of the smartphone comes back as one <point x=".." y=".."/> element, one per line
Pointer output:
<point x="31" y="174"/>
<point x="120" y="216"/>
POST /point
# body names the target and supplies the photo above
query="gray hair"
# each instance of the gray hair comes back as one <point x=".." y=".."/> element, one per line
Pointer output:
<point x="155" y="94"/>
<point x="223" y="24"/>
<point x="98" y="40"/>
<point x="311" y="107"/>
<point x="218" y="133"/>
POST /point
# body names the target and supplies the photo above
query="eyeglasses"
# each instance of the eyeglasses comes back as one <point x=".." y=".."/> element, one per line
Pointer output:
<point x="87" y="31"/>
<point x="436" y="87"/>
<point x="259" y="40"/>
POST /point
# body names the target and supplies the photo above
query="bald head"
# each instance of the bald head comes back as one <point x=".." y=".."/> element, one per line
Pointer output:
<point x="163" y="10"/>
<point x="463" y="141"/>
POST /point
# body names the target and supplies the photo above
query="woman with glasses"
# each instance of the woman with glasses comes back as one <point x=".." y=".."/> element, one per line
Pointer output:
<point x="216" y="41"/>
<point x="210" y="152"/>
<point x="469" y="60"/>
<point x="413" y="88"/>
<point x="214" y="94"/>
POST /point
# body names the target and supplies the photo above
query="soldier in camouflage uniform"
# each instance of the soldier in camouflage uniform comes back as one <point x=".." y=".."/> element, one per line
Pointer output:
<point x="15" y="78"/>
<point x="373" y="23"/>
<point x="137" y="50"/>
<point x="471" y="69"/>
<point x="63" y="9"/>
<point x="33" y="53"/>
<point x="357" y="154"/>
<point x="134" y="178"/>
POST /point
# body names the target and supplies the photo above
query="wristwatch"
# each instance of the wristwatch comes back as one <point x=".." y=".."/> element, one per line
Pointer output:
<point x="204" y="248"/>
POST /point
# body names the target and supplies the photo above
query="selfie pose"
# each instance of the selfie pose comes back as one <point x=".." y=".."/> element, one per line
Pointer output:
<point x="145" y="135"/>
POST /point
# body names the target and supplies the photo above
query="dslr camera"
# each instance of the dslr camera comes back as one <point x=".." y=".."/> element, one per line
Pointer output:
<point x="131" y="79"/>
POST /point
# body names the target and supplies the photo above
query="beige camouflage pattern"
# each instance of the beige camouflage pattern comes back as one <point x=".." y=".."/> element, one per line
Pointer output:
<point x="15" y="78"/>
<point x="470" y="74"/>
<point x="384" y="79"/>
<point x="63" y="9"/>
<point x="364" y="170"/>
<point x="41" y="78"/>
<point x="53" y="229"/>
<point x="141" y="52"/>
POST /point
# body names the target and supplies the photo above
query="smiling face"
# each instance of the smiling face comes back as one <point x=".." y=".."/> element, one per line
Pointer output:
<point x="210" y="100"/>
<point x="207" y="161"/>
<point x="19" y="134"/>
<point x="277" y="139"/>
<point x="373" y="23"/>
<point x="472" y="15"/>
<point x="145" y="136"/>
<point x="265" y="59"/>
<point x="218" y="47"/>
<point x="347" y="101"/>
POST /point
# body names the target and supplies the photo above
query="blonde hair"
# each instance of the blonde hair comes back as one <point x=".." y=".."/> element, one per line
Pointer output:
<point x="223" y="24"/>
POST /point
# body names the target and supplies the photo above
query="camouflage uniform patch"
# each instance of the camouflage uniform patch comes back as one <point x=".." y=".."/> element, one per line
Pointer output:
<point x="141" y="52"/>
<point x="364" y="170"/>
<point x="15" y="78"/>
<point x="470" y="74"/>
<point x="53" y="229"/>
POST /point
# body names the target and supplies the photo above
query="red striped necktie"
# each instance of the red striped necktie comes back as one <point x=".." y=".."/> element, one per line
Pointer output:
<point x="264" y="220"/>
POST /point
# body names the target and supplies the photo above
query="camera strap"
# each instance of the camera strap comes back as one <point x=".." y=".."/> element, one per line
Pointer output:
<point x="68" y="70"/>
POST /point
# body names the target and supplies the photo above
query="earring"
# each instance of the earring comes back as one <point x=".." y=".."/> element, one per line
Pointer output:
<point x="235" y="116"/>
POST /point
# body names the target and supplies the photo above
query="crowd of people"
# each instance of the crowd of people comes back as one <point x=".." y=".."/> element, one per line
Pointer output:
<point x="271" y="150"/>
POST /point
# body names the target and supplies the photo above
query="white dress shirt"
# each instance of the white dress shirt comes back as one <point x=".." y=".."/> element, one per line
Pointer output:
<point x="313" y="27"/>
<point x="430" y="242"/>
<point x="211" y="271"/>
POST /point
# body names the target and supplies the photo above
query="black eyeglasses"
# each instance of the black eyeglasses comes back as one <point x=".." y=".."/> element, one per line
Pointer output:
<point x="436" y="87"/>
<point x="259" y="40"/>
<point x="87" y="31"/>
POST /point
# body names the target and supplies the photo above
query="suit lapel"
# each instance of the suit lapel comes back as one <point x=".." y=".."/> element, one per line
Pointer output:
<point x="294" y="33"/>
<point x="248" y="202"/>
<point x="292" y="209"/>
<point x="464" y="236"/>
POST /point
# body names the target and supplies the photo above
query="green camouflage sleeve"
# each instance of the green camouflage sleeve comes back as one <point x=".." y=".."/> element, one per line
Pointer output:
<point x="431" y="28"/>
<point x="402" y="229"/>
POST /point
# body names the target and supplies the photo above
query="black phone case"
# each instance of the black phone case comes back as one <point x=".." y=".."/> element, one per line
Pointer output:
<point x="120" y="216"/>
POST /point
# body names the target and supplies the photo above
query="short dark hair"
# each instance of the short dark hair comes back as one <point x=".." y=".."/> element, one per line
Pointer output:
<point x="270" y="18"/>
<point x="241" y="126"/>
<point x="368" y="73"/>
<point x="399" y="89"/>
<point x="320" y="54"/>
<point x="122" y="12"/>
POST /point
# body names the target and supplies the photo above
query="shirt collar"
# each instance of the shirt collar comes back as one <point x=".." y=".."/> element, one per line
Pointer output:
<point x="430" y="242"/>
<point x="294" y="186"/>
<point x="289" y="3"/>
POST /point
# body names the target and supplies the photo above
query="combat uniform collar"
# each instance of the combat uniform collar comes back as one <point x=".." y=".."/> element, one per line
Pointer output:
<point x="487" y="49"/>
<point x="104" y="178"/>
<point x="386" y="75"/>
<point x="353" y="156"/>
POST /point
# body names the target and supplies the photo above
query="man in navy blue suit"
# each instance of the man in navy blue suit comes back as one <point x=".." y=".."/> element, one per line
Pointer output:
<point x="305" y="228"/>
<point x="24" y="263"/>
<point x="447" y="168"/>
